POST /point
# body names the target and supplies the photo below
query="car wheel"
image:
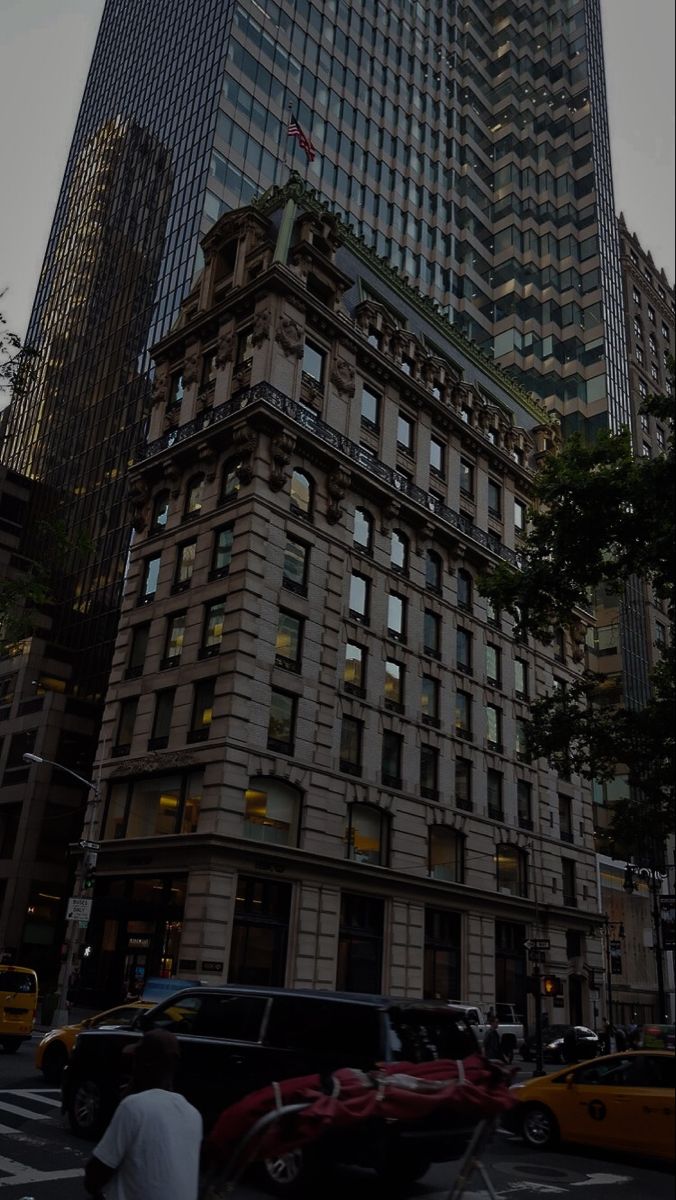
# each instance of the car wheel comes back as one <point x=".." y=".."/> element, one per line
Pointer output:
<point x="11" y="1045"/>
<point x="285" y="1174"/>
<point x="539" y="1128"/>
<point x="87" y="1109"/>
<point x="54" y="1060"/>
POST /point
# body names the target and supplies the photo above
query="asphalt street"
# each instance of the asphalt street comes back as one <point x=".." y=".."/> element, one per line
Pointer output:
<point x="41" y="1160"/>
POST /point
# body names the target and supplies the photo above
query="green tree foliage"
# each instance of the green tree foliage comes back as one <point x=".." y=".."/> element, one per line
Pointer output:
<point x="16" y="360"/>
<point x="599" y="517"/>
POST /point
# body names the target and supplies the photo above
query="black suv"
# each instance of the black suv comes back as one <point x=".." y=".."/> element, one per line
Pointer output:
<point x="235" y="1040"/>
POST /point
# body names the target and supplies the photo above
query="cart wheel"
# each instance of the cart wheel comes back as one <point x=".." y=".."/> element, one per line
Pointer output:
<point x="286" y="1174"/>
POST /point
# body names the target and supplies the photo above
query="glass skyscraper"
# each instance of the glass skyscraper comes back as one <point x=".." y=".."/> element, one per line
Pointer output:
<point x="467" y="142"/>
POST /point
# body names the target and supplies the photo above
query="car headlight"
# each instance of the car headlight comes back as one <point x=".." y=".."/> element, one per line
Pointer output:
<point x="514" y="1087"/>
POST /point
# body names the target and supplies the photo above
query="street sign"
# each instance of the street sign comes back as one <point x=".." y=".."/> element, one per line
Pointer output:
<point x="79" y="909"/>
<point x="87" y="845"/>
<point x="537" y="944"/>
<point x="537" y="956"/>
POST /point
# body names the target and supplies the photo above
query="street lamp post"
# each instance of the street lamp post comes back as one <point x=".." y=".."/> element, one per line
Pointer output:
<point x="86" y="859"/>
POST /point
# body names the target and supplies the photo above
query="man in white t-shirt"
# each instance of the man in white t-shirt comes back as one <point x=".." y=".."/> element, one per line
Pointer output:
<point x="151" y="1149"/>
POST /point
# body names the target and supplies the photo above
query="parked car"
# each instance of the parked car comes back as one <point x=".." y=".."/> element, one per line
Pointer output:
<point x="54" y="1049"/>
<point x="509" y="1029"/>
<point x="621" y="1101"/>
<point x="18" y="1003"/>
<point x="587" y="1044"/>
<point x="235" y="1040"/>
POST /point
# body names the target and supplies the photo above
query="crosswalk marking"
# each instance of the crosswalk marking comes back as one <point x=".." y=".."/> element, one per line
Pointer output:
<point x="33" y="1095"/>
<point x="23" y="1112"/>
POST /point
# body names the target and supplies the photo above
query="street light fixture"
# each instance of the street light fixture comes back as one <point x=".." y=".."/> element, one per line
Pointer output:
<point x="61" y="1014"/>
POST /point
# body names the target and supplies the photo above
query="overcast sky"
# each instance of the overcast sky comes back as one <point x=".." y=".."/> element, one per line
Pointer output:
<point x="46" y="45"/>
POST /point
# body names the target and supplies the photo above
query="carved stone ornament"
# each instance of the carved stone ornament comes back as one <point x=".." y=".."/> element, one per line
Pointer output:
<point x="336" y="485"/>
<point x="244" y="442"/>
<point x="190" y="369"/>
<point x="290" y="337"/>
<point x="158" y="393"/>
<point x="158" y="761"/>
<point x="224" y="349"/>
<point x="171" y="418"/>
<point x="139" y="494"/>
<point x="173" y="479"/>
<point x="343" y="377"/>
<point x="260" y="331"/>
<point x="207" y="461"/>
<point x="282" y="446"/>
<point x="389" y="513"/>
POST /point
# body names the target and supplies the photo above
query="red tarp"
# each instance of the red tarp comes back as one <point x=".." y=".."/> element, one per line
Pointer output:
<point x="473" y="1088"/>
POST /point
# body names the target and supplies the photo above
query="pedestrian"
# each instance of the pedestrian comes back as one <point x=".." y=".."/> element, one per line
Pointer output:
<point x="492" y="1045"/>
<point x="151" y="1149"/>
<point x="607" y="1035"/>
<point x="570" y="1045"/>
<point x="620" y="1038"/>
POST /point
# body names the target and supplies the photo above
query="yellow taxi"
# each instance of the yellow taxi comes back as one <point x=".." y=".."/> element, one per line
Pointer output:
<point x="53" y="1051"/>
<point x="619" y="1102"/>
<point x="18" y="1002"/>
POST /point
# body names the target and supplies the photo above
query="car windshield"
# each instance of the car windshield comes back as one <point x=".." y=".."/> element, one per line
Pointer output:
<point x="420" y="1035"/>
<point x="16" y="981"/>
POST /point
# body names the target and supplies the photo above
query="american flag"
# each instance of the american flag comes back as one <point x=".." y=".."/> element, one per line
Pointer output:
<point x="304" y="142"/>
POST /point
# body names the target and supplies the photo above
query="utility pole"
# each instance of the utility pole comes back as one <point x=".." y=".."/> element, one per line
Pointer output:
<point x="537" y="993"/>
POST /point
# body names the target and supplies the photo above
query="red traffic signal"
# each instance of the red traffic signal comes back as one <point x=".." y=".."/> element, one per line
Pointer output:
<point x="552" y="985"/>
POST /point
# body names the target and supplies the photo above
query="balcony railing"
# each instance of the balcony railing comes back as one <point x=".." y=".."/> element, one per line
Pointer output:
<point x="265" y="393"/>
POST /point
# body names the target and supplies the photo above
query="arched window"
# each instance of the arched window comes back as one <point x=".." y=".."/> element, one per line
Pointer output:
<point x="160" y="511"/>
<point x="272" y="811"/>
<point x="230" y="484"/>
<point x="363" y="530"/>
<point x="447" y="854"/>
<point x="512" y="869"/>
<point x="433" y="571"/>
<point x="302" y="489"/>
<point x="465" y="589"/>
<point x="399" y="551"/>
<point x="193" y="495"/>
<point x="367" y="835"/>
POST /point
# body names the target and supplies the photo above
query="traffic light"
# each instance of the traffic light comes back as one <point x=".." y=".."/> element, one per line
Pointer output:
<point x="552" y="985"/>
<point x="88" y="879"/>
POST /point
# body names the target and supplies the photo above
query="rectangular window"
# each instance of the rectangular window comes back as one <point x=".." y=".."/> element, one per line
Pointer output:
<point x="565" y="819"/>
<point x="493" y="665"/>
<point x="245" y="346"/>
<point x="494" y="727"/>
<point x="164" y="708"/>
<point x="314" y="362"/>
<point x="404" y="433"/>
<point x="524" y="802"/>
<point x="125" y="725"/>
<point x="391" y="760"/>
<point x="521" y="678"/>
<point x="351" y="738"/>
<point x="151" y="571"/>
<point x="282" y="722"/>
<point x="569" y="882"/>
<point x="463" y="641"/>
<point x="429" y="700"/>
<point x="202" y="710"/>
<point x="214" y="617"/>
<point x="396" y="617"/>
<point x="494" y="499"/>
<point x="222" y="553"/>
<point x="437" y="456"/>
<point x="354" y="671"/>
<point x="360" y="944"/>
<point x="359" y="598"/>
<point x="463" y="784"/>
<point x="370" y="408"/>
<point x="494" y="795"/>
<point x="463" y="715"/>
<point x="174" y="643"/>
<point x="446" y="854"/>
<point x="466" y="477"/>
<point x="442" y="973"/>
<point x="492" y="615"/>
<point x="288" y="641"/>
<point x="432" y="634"/>
<point x="394" y="685"/>
<point x="520" y="740"/>
<point x="429" y="772"/>
<point x="185" y="565"/>
<point x="137" y="651"/>
<point x="512" y="870"/>
<point x="519" y="516"/>
<point x="296" y="561"/>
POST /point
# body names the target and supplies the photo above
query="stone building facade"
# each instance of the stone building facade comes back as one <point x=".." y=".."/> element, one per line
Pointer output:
<point x="311" y="744"/>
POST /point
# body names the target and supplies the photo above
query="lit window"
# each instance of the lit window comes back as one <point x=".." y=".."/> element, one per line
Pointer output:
<point x="214" y="618"/>
<point x="202" y="709"/>
<point x="366" y="835"/>
<point x="174" y="643"/>
<point x="512" y="870"/>
<point x="394" y="684"/>
<point x="354" y="671"/>
<point x="185" y="564"/>
<point x="272" y="811"/>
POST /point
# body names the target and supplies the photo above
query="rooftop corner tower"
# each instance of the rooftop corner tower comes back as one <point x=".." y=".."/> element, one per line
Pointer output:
<point x="467" y="142"/>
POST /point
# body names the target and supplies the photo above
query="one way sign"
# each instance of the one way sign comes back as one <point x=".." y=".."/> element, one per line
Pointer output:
<point x="537" y="944"/>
